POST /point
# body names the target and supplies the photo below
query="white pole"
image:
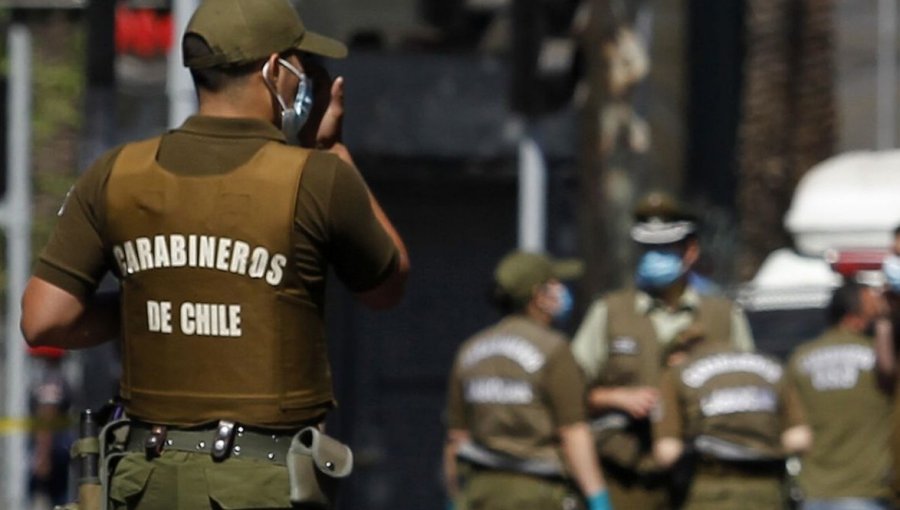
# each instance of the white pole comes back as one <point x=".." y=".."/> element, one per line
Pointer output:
<point x="886" y="106"/>
<point x="179" y="86"/>
<point x="532" y="195"/>
<point x="17" y="223"/>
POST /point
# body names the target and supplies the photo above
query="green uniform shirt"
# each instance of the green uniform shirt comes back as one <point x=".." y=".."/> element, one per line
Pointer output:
<point x="735" y="398"/>
<point x="590" y="344"/>
<point x="850" y="417"/>
<point x="512" y="386"/>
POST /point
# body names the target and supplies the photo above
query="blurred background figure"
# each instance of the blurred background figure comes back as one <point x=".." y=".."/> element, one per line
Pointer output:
<point x="517" y="435"/>
<point x="848" y="464"/>
<point x="621" y="343"/>
<point x="50" y="400"/>
<point x="726" y="424"/>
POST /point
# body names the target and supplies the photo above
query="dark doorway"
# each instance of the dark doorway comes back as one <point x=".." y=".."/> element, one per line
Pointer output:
<point x="391" y="368"/>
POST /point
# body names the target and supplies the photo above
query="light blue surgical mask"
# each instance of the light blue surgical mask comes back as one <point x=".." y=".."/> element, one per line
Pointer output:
<point x="566" y="304"/>
<point x="293" y="118"/>
<point x="657" y="269"/>
<point x="891" y="269"/>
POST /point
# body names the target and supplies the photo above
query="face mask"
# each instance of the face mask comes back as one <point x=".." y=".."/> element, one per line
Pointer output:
<point x="292" y="119"/>
<point x="565" y="304"/>
<point x="891" y="269"/>
<point x="658" y="269"/>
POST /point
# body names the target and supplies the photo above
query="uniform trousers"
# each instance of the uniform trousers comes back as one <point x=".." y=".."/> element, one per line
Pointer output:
<point x="178" y="480"/>
<point x="734" y="492"/>
<point x="630" y="489"/>
<point x="485" y="489"/>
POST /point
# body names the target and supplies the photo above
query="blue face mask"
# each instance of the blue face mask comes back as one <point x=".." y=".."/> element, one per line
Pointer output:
<point x="891" y="269"/>
<point x="658" y="269"/>
<point x="293" y="118"/>
<point x="566" y="304"/>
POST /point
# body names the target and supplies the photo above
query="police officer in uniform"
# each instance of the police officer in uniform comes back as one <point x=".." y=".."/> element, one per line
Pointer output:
<point x="517" y="435"/>
<point x="730" y="418"/>
<point x="221" y="233"/>
<point x="49" y="402"/>
<point x="849" y="462"/>
<point x="621" y="343"/>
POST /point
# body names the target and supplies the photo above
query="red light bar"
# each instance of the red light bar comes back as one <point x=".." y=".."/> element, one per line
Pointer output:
<point x="848" y="262"/>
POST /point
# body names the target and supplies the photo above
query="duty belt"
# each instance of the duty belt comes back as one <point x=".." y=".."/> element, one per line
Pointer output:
<point x="483" y="457"/>
<point x="226" y="439"/>
<point x="719" y="467"/>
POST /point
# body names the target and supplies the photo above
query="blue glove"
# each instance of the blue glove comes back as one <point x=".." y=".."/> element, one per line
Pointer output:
<point x="599" y="501"/>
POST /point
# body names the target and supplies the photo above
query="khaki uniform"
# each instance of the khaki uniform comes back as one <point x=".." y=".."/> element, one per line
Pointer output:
<point x="622" y="342"/>
<point x="849" y="415"/>
<point x="730" y="409"/>
<point x="512" y="387"/>
<point x="221" y="236"/>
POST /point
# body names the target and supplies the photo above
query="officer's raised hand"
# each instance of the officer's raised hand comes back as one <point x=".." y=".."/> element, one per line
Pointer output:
<point x="325" y="125"/>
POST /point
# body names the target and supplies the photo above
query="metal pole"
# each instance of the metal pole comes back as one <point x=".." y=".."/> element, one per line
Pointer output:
<point x="179" y="86"/>
<point x="886" y="109"/>
<point x="532" y="195"/>
<point x="17" y="222"/>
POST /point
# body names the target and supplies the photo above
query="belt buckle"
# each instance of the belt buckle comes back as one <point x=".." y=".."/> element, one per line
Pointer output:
<point x="224" y="438"/>
<point x="154" y="443"/>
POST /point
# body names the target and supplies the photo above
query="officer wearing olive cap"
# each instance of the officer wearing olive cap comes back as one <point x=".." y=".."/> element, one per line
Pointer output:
<point x="626" y="335"/>
<point x="517" y="436"/>
<point x="221" y="233"/>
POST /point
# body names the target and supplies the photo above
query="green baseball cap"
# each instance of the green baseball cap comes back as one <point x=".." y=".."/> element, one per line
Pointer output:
<point x="241" y="31"/>
<point x="519" y="272"/>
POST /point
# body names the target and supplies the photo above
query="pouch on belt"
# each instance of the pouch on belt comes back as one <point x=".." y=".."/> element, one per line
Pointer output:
<point x="316" y="463"/>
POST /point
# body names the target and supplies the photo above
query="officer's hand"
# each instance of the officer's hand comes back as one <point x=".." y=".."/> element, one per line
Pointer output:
<point x="332" y="126"/>
<point x="321" y="104"/>
<point x="637" y="402"/>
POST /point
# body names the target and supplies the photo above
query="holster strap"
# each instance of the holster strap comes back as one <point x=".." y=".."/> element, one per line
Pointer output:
<point x="85" y="446"/>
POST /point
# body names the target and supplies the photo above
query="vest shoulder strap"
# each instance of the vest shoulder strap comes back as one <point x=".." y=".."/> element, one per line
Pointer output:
<point x="137" y="155"/>
<point x="715" y="314"/>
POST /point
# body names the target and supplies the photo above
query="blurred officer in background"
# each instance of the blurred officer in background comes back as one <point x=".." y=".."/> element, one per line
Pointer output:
<point x="848" y="465"/>
<point x="221" y="233"/>
<point x="49" y="402"/>
<point x="517" y="435"/>
<point x="887" y="330"/>
<point x="622" y="342"/>
<point x="728" y="419"/>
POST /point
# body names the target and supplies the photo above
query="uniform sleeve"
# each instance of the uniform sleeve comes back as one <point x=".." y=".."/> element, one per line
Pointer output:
<point x="793" y="409"/>
<point x="335" y="202"/>
<point x="667" y="419"/>
<point x="589" y="346"/>
<point x="74" y="258"/>
<point x="741" y="335"/>
<point x="565" y="388"/>
<point x="456" y="406"/>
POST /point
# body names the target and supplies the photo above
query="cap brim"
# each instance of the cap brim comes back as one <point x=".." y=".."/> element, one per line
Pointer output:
<point x="662" y="233"/>
<point x="568" y="269"/>
<point x="321" y="45"/>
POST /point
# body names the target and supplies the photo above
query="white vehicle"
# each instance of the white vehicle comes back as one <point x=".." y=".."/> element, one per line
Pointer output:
<point x="841" y="218"/>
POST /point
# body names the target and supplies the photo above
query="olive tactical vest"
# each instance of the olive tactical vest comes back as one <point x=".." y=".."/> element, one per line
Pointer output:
<point x="635" y="359"/>
<point x="635" y="352"/>
<point x="503" y="373"/>
<point x="734" y="398"/>
<point x="211" y="320"/>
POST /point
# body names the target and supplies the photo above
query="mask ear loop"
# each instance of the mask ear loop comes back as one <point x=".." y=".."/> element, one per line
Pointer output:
<point x="271" y="86"/>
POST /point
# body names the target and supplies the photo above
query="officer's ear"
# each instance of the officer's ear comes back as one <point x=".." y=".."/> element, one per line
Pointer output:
<point x="272" y="68"/>
<point x="691" y="251"/>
